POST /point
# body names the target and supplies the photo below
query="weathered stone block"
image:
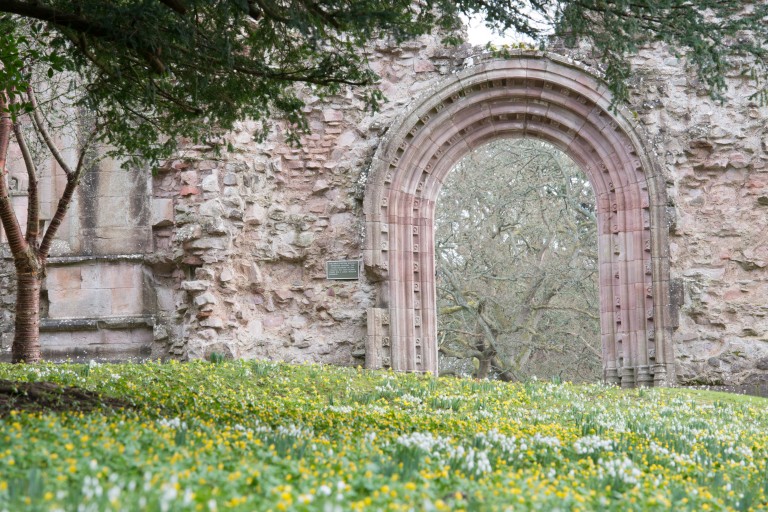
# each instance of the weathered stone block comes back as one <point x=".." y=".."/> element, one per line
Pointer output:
<point x="332" y="115"/>
<point x="162" y="212"/>
<point x="211" y="183"/>
<point x="79" y="303"/>
<point x="205" y="298"/>
<point x="127" y="301"/>
<point x="423" y="66"/>
<point x="188" y="232"/>
<point x="226" y="275"/>
<point x="116" y="240"/>
<point x="211" y="208"/>
<point x="64" y="278"/>
<point x="213" y="323"/>
<point x="208" y="243"/>
<point x="195" y="286"/>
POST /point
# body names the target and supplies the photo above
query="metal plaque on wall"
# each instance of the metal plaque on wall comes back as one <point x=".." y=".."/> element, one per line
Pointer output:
<point x="343" y="269"/>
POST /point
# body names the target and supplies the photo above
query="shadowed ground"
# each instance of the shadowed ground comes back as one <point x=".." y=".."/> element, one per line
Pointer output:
<point x="47" y="396"/>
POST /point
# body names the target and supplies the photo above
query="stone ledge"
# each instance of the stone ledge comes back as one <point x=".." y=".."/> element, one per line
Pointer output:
<point x="95" y="324"/>
<point x="109" y="258"/>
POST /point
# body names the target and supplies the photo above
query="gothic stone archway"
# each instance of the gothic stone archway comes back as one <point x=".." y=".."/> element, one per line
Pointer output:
<point x="528" y="95"/>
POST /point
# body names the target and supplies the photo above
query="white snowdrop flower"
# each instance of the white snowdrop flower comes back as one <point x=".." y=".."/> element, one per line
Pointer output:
<point x="294" y="431"/>
<point x="113" y="494"/>
<point x="592" y="444"/>
<point x="91" y="487"/>
<point x="483" y="464"/>
<point x="546" y="440"/>
<point x="410" y="398"/>
<point x="188" y="496"/>
<point x="621" y="469"/>
<point x="343" y="409"/>
<point x="168" y="493"/>
<point x="456" y="453"/>
<point x="94" y="465"/>
<point x="340" y="485"/>
<point x="212" y="505"/>
<point x="324" y="490"/>
<point x="305" y="499"/>
<point x="470" y="463"/>
<point x="424" y="441"/>
<point x="115" y="376"/>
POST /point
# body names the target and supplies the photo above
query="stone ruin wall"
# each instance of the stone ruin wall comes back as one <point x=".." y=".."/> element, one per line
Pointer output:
<point x="97" y="299"/>
<point x="238" y="242"/>
<point x="715" y="159"/>
<point x="254" y="228"/>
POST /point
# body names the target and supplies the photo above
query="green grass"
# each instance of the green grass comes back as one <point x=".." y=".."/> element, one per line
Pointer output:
<point x="252" y="435"/>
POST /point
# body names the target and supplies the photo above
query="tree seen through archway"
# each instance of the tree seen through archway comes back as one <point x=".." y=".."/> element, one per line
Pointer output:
<point x="517" y="265"/>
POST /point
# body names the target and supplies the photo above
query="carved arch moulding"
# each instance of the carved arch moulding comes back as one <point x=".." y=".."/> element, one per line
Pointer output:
<point x="529" y="95"/>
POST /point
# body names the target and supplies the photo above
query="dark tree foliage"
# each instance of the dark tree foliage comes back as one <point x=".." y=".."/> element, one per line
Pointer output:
<point x="152" y="68"/>
<point x="711" y="34"/>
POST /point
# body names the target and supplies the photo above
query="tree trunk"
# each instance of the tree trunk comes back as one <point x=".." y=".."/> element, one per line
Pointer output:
<point x="30" y="265"/>
<point x="26" y="341"/>
<point x="484" y="369"/>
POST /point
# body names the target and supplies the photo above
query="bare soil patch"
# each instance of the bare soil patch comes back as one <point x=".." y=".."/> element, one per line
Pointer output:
<point x="50" y="397"/>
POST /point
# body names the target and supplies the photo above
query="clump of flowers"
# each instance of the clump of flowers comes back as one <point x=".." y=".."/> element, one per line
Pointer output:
<point x="258" y="435"/>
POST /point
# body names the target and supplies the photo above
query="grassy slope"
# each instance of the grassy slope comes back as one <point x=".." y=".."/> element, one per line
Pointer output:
<point x="261" y="436"/>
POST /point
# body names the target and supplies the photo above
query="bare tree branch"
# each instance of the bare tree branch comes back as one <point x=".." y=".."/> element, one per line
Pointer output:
<point x="43" y="131"/>
<point x="10" y="223"/>
<point x="33" y="201"/>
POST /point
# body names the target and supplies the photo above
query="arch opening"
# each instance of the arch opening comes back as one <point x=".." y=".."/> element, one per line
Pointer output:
<point x="516" y="266"/>
<point x="537" y="97"/>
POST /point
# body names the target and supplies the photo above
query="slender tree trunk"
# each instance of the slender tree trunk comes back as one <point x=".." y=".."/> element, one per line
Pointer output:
<point x="484" y="361"/>
<point x="26" y="341"/>
<point x="485" y="368"/>
<point x="29" y="264"/>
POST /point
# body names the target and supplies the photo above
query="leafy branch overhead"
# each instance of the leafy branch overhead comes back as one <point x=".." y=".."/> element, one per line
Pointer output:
<point x="711" y="34"/>
<point x="151" y="68"/>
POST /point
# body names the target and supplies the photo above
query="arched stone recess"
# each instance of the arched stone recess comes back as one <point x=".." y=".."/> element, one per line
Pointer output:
<point x="536" y="95"/>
